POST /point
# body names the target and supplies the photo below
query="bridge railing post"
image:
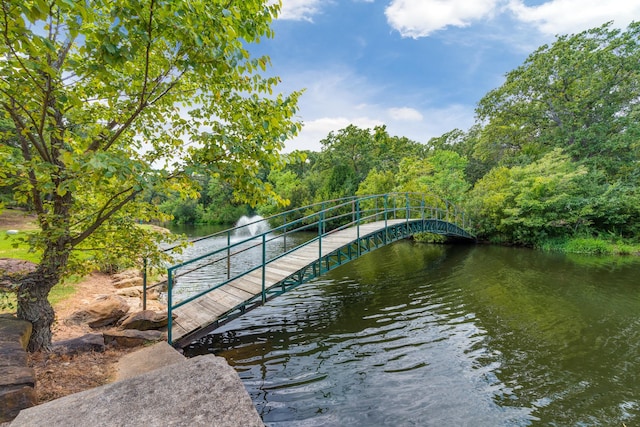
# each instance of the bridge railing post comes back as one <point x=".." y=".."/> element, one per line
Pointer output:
<point x="376" y="209"/>
<point x="169" y="305"/>
<point x="144" y="283"/>
<point x="394" y="208"/>
<point x="353" y="210"/>
<point x="264" y="266"/>
<point x="228" y="255"/>
<point x="386" y="209"/>
<point x="358" y="225"/>
<point x="320" y="232"/>
<point x="407" y="206"/>
<point x="284" y="233"/>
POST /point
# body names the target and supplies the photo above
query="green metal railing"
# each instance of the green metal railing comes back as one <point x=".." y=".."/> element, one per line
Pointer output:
<point x="236" y="252"/>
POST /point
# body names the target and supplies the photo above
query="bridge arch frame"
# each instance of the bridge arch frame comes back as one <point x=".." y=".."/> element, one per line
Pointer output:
<point x="373" y="221"/>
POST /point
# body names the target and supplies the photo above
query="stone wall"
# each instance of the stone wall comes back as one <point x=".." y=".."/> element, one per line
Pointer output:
<point x="17" y="379"/>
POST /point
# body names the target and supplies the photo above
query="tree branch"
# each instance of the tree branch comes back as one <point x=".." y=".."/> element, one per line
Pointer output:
<point x="147" y="54"/>
<point x="22" y="129"/>
<point x="104" y="214"/>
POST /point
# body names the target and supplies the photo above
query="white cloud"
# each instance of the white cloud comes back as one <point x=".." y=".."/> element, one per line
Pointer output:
<point x="336" y="97"/>
<point x="315" y="130"/>
<point x="405" y="114"/>
<point x="572" y="16"/>
<point x="419" y="18"/>
<point x="300" y="10"/>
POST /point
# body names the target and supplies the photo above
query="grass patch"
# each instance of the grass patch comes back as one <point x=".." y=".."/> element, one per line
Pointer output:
<point x="59" y="293"/>
<point x="590" y="246"/>
<point x="15" y="246"/>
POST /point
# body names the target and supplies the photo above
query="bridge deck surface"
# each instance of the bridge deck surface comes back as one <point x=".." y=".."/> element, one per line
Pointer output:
<point x="205" y="310"/>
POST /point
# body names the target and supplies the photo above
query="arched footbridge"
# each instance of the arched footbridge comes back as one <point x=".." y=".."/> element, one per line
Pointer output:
<point x="236" y="270"/>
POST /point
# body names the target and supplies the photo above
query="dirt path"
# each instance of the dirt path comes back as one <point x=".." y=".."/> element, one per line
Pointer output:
<point x="60" y="375"/>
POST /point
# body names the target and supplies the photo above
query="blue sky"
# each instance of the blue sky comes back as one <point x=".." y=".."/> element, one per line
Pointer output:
<point x="417" y="66"/>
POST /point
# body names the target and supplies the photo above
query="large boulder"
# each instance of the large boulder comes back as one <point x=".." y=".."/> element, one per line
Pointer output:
<point x="81" y="344"/>
<point x="128" y="282"/>
<point x="156" y="356"/>
<point x="13" y="330"/>
<point x="14" y="399"/>
<point x="104" y="311"/>
<point x="12" y="269"/>
<point x="202" y="391"/>
<point x="126" y="279"/>
<point x="132" y="337"/>
<point x="132" y="292"/>
<point x="145" y="320"/>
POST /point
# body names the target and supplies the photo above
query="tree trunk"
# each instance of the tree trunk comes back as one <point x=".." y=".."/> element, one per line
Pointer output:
<point x="34" y="306"/>
<point x="33" y="293"/>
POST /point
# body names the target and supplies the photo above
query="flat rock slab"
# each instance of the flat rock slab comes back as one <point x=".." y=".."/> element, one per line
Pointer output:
<point x="13" y="330"/>
<point x="17" y="380"/>
<point x="88" y="342"/>
<point x="147" y="359"/>
<point x="132" y="337"/>
<point x="202" y="391"/>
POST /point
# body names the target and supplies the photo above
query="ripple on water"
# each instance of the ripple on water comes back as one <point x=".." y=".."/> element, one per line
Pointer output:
<point x="402" y="338"/>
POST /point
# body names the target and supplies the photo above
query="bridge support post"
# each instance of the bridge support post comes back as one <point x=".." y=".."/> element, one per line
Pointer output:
<point x="358" y="224"/>
<point x="144" y="284"/>
<point x="320" y="232"/>
<point x="264" y="267"/>
<point x="284" y="234"/>
<point x="169" y="305"/>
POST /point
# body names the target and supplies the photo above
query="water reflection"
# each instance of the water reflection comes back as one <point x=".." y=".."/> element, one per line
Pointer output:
<point x="432" y="335"/>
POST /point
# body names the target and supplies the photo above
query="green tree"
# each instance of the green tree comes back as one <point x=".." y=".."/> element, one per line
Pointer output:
<point x="377" y="183"/>
<point x="350" y="154"/>
<point x="441" y="174"/>
<point x="112" y="99"/>
<point x="289" y="186"/>
<point x="579" y="94"/>
<point x="527" y="204"/>
<point x="464" y="143"/>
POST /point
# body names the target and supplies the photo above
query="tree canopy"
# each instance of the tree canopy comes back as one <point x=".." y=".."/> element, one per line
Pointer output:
<point x="108" y="100"/>
<point x="579" y="94"/>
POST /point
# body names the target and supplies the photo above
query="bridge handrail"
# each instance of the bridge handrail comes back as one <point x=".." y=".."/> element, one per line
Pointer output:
<point x="346" y="201"/>
<point x="323" y="219"/>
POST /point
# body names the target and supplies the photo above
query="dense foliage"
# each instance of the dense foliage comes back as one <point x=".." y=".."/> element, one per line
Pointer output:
<point x="554" y="154"/>
<point x="563" y="136"/>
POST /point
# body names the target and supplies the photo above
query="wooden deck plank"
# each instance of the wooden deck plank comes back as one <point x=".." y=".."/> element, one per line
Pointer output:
<point x="247" y="286"/>
<point x="238" y="292"/>
<point x="224" y="298"/>
<point x="210" y="304"/>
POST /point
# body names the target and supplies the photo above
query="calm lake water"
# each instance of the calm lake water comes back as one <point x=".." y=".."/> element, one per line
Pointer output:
<point x="427" y="335"/>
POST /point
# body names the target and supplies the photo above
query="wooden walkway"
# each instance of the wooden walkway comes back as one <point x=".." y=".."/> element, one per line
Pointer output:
<point x="201" y="313"/>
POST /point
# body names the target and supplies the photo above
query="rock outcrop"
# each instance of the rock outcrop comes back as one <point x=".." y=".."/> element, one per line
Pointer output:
<point x="88" y="342"/>
<point x="145" y="320"/>
<point x="17" y="380"/>
<point x="105" y="311"/>
<point x="202" y="391"/>
<point x="131" y="337"/>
